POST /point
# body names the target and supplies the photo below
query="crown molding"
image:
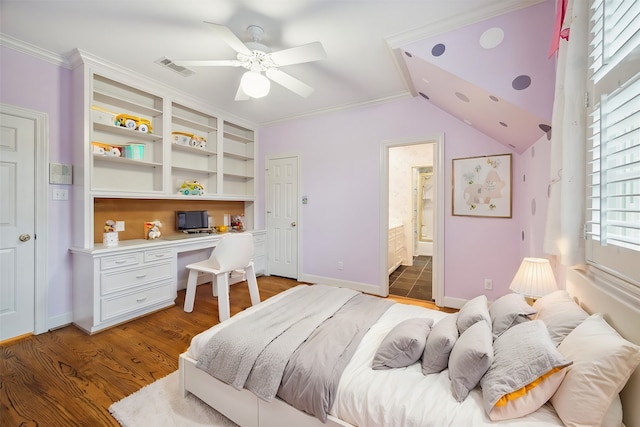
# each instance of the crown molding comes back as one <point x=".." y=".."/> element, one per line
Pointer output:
<point x="33" y="50"/>
<point x="477" y="15"/>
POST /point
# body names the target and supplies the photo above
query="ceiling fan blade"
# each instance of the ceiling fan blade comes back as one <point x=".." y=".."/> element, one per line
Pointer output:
<point x="208" y="63"/>
<point x="241" y="95"/>
<point x="290" y="82"/>
<point x="229" y="38"/>
<point x="297" y="55"/>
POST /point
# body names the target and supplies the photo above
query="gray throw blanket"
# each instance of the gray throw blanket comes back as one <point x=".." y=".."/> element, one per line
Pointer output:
<point x="264" y="341"/>
<point x="304" y="340"/>
<point x="314" y="370"/>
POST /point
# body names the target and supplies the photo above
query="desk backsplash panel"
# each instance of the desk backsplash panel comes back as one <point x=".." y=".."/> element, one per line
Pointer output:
<point x="135" y="213"/>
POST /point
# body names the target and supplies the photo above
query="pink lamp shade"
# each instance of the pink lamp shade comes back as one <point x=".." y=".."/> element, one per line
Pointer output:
<point x="534" y="278"/>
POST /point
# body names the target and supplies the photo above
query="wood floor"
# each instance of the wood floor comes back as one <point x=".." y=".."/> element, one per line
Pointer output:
<point x="68" y="378"/>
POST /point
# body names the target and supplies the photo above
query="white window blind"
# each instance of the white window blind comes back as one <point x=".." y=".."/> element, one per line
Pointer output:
<point x="613" y="156"/>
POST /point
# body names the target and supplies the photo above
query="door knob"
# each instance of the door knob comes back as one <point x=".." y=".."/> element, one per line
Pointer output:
<point x="293" y="224"/>
<point x="24" y="237"/>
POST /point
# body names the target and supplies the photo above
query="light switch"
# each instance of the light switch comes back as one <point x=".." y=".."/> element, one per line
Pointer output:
<point x="119" y="225"/>
<point x="60" y="194"/>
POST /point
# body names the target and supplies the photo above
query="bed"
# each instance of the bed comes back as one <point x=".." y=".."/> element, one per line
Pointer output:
<point x="405" y="396"/>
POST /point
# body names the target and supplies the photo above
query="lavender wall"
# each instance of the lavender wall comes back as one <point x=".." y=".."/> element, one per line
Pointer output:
<point x="35" y="84"/>
<point x="341" y="176"/>
<point x="340" y="173"/>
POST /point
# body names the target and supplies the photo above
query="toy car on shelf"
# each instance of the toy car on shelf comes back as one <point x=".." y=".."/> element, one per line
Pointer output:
<point x="133" y="123"/>
<point x="191" y="188"/>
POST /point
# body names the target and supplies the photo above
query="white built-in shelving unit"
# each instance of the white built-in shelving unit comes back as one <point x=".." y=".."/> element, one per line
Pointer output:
<point x="225" y="166"/>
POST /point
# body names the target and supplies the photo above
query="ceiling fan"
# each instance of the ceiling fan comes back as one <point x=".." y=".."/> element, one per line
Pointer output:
<point x="258" y="59"/>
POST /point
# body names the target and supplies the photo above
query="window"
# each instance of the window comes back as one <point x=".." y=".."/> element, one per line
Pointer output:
<point x="613" y="149"/>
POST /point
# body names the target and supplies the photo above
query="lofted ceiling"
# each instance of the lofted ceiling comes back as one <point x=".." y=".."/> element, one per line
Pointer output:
<point x="483" y="61"/>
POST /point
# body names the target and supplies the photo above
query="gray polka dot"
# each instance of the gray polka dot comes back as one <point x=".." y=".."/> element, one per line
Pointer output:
<point x="546" y="129"/>
<point x="521" y="82"/>
<point x="533" y="207"/>
<point x="533" y="152"/>
<point x="524" y="178"/>
<point x="423" y="95"/>
<point x="503" y="124"/>
<point x="462" y="97"/>
<point x="408" y="54"/>
<point x="493" y="98"/>
<point x="549" y="191"/>
<point x="523" y="235"/>
<point x="438" y="49"/>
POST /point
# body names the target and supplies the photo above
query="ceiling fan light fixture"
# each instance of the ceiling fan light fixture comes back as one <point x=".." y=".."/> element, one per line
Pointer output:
<point x="255" y="84"/>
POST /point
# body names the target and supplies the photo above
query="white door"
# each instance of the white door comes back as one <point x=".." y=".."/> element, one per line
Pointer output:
<point x="17" y="225"/>
<point x="282" y="216"/>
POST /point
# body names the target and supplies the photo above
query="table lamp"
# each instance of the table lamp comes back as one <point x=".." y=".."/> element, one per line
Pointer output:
<point x="534" y="278"/>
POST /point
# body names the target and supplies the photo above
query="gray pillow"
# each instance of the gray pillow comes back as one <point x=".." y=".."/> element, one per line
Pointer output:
<point x="473" y="311"/>
<point x="403" y="345"/>
<point x="507" y="311"/>
<point x="470" y="358"/>
<point x="440" y="341"/>
<point x="522" y="355"/>
<point x="560" y="314"/>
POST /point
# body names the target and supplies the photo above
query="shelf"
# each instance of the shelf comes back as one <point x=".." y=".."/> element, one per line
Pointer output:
<point x="125" y="104"/>
<point x="236" y="137"/>
<point x="192" y="170"/>
<point x="237" y="156"/>
<point x="125" y="161"/>
<point x="192" y="124"/>
<point x="233" y="175"/>
<point x="194" y="150"/>
<point x="119" y="130"/>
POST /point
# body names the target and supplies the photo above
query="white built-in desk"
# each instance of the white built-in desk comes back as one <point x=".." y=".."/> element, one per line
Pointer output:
<point x="112" y="285"/>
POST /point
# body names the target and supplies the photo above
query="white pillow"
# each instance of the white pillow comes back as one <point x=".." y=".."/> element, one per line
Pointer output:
<point x="603" y="361"/>
<point x="560" y="313"/>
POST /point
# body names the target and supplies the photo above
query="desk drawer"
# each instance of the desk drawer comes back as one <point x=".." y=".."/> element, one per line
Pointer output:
<point x="157" y="255"/>
<point x="123" y="304"/>
<point x="120" y="260"/>
<point x="117" y="280"/>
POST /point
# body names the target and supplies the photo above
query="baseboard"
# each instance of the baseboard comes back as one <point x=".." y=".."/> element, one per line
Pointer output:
<point x="453" y="302"/>
<point x="59" y="321"/>
<point x="362" y="287"/>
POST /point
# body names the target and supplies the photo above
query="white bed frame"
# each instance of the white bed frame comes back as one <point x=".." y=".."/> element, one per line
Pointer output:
<point x="620" y="309"/>
<point x="242" y="406"/>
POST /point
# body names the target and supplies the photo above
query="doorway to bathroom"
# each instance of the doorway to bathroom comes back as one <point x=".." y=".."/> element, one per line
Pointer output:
<point x="412" y="207"/>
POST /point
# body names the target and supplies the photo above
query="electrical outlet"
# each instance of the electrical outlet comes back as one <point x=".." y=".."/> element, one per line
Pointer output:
<point x="488" y="284"/>
<point x="340" y="265"/>
<point x="119" y="225"/>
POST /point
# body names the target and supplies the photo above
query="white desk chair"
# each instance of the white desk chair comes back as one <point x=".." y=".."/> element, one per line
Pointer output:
<point x="233" y="252"/>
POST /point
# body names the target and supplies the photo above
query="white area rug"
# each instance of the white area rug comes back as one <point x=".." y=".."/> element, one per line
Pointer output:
<point x="161" y="404"/>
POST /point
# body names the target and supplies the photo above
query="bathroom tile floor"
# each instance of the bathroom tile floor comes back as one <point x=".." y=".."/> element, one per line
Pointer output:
<point x="413" y="281"/>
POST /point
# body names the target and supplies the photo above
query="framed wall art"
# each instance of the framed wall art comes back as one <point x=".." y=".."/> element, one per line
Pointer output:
<point x="482" y="186"/>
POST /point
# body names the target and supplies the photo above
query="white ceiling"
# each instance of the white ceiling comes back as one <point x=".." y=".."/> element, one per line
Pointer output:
<point x="364" y="41"/>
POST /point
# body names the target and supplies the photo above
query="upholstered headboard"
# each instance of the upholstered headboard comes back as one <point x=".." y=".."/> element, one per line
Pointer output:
<point x="621" y="309"/>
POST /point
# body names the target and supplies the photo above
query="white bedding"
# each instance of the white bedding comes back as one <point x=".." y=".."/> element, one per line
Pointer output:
<point x="397" y="397"/>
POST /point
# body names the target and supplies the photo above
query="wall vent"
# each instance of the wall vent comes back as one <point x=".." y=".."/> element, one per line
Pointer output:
<point x="183" y="71"/>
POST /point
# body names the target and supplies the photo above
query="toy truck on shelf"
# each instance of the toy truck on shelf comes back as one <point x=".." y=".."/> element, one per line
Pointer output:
<point x="133" y="123"/>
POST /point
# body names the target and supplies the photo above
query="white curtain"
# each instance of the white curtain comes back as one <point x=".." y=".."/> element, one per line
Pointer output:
<point x="564" y="236"/>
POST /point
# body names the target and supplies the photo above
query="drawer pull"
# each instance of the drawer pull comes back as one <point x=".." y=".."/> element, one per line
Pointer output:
<point x="140" y="276"/>
<point x="121" y="261"/>
<point x="141" y="299"/>
<point x="159" y="255"/>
